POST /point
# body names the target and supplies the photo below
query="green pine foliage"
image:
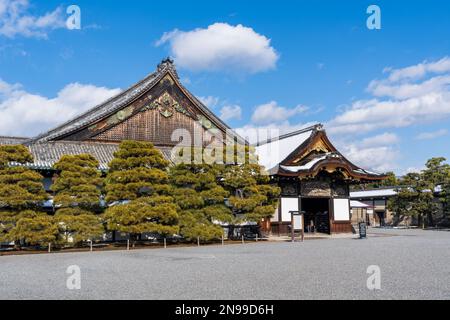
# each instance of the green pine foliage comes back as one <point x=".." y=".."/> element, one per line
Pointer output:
<point x="390" y="181"/>
<point x="77" y="191"/>
<point x="35" y="228"/>
<point x="418" y="196"/>
<point x="201" y="200"/>
<point x="253" y="196"/>
<point x="138" y="191"/>
<point x="21" y="197"/>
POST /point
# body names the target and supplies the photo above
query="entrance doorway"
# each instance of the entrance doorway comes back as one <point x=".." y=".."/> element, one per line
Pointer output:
<point x="317" y="214"/>
<point x="381" y="216"/>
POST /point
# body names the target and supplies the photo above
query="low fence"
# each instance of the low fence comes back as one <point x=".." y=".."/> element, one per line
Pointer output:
<point x="238" y="235"/>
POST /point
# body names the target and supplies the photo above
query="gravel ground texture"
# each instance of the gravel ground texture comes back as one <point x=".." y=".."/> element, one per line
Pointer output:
<point x="414" y="264"/>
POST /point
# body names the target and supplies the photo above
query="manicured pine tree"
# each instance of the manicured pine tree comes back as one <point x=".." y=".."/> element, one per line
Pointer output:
<point x="201" y="200"/>
<point x="253" y="196"/>
<point x="35" y="228"/>
<point x="21" y="197"/>
<point x="138" y="192"/>
<point x="77" y="191"/>
<point x="417" y="198"/>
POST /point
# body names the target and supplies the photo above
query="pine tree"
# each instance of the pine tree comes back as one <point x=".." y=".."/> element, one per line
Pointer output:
<point x="201" y="200"/>
<point x="21" y="197"/>
<point x="35" y="228"/>
<point x="77" y="197"/>
<point x="417" y="197"/>
<point x="253" y="197"/>
<point x="137" y="191"/>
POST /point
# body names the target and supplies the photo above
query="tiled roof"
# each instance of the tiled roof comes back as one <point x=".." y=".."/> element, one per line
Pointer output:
<point x="47" y="153"/>
<point x="120" y="101"/>
<point x="373" y="193"/>
<point x="12" y="140"/>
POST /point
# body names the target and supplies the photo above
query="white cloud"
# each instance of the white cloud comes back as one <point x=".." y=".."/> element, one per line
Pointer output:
<point x="221" y="47"/>
<point x="377" y="158"/>
<point x="27" y="114"/>
<point x="378" y="153"/>
<point x="419" y="70"/>
<point x="209" y="101"/>
<point x="229" y="112"/>
<point x="408" y="90"/>
<point x="407" y="101"/>
<point x="15" y="20"/>
<point x="380" y="140"/>
<point x="432" y="135"/>
<point x="271" y="113"/>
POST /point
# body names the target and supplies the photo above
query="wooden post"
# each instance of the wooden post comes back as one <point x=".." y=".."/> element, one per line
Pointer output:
<point x="292" y="227"/>
<point x="128" y="244"/>
<point x="165" y="243"/>
<point x="303" y="227"/>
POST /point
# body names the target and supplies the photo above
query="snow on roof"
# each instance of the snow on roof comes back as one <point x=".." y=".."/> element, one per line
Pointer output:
<point x="373" y="193"/>
<point x="306" y="166"/>
<point x="273" y="151"/>
<point x="358" y="204"/>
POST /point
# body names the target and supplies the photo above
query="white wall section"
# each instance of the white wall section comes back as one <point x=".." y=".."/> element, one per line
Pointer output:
<point x="341" y="210"/>
<point x="288" y="204"/>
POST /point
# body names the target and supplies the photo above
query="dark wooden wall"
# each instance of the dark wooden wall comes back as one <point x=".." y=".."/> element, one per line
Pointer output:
<point x="151" y="125"/>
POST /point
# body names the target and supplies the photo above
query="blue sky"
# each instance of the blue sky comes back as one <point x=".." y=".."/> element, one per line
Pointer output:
<point x="383" y="95"/>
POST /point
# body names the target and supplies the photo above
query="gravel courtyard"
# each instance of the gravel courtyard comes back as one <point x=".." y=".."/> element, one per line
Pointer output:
<point x="414" y="264"/>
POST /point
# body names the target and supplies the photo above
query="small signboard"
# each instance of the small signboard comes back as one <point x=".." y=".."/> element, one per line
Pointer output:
<point x="362" y="230"/>
<point x="297" y="224"/>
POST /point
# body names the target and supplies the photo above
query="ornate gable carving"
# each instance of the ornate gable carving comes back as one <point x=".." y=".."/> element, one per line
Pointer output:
<point x="153" y="116"/>
<point x="166" y="105"/>
<point x="317" y="146"/>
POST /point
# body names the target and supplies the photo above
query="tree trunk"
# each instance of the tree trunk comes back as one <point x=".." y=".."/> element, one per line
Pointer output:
<point x="430" y="219"/>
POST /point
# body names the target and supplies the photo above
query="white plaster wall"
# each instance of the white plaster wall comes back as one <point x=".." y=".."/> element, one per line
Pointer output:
<point x="288" y="204"/>
<point x="341" y="210"/>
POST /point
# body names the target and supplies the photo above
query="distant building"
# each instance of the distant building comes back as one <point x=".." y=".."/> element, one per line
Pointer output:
<point x="376" y="200"/>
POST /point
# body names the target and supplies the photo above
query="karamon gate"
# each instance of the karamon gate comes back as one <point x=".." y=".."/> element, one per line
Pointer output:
<point x="314" y="178"/>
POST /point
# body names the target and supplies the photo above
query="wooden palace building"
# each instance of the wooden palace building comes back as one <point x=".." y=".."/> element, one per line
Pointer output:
<point x="313" y="175"/>
<point x="314" y="178"/>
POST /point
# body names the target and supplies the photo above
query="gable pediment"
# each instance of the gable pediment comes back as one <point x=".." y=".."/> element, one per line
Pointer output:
<point x="317" y="145"/>
<point x="160" y="97"/>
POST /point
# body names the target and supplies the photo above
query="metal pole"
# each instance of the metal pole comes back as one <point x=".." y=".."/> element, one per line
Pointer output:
<point x="242" y="239"/>
<point x="198" y="241"/>
<point x="49" y="247"/>
<point x="165" y="243"/>
<point x="222" y="240"/>
<point x="128" y="244"/>
<point x="91" y="245"/>
<point x="256" y="237"/>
